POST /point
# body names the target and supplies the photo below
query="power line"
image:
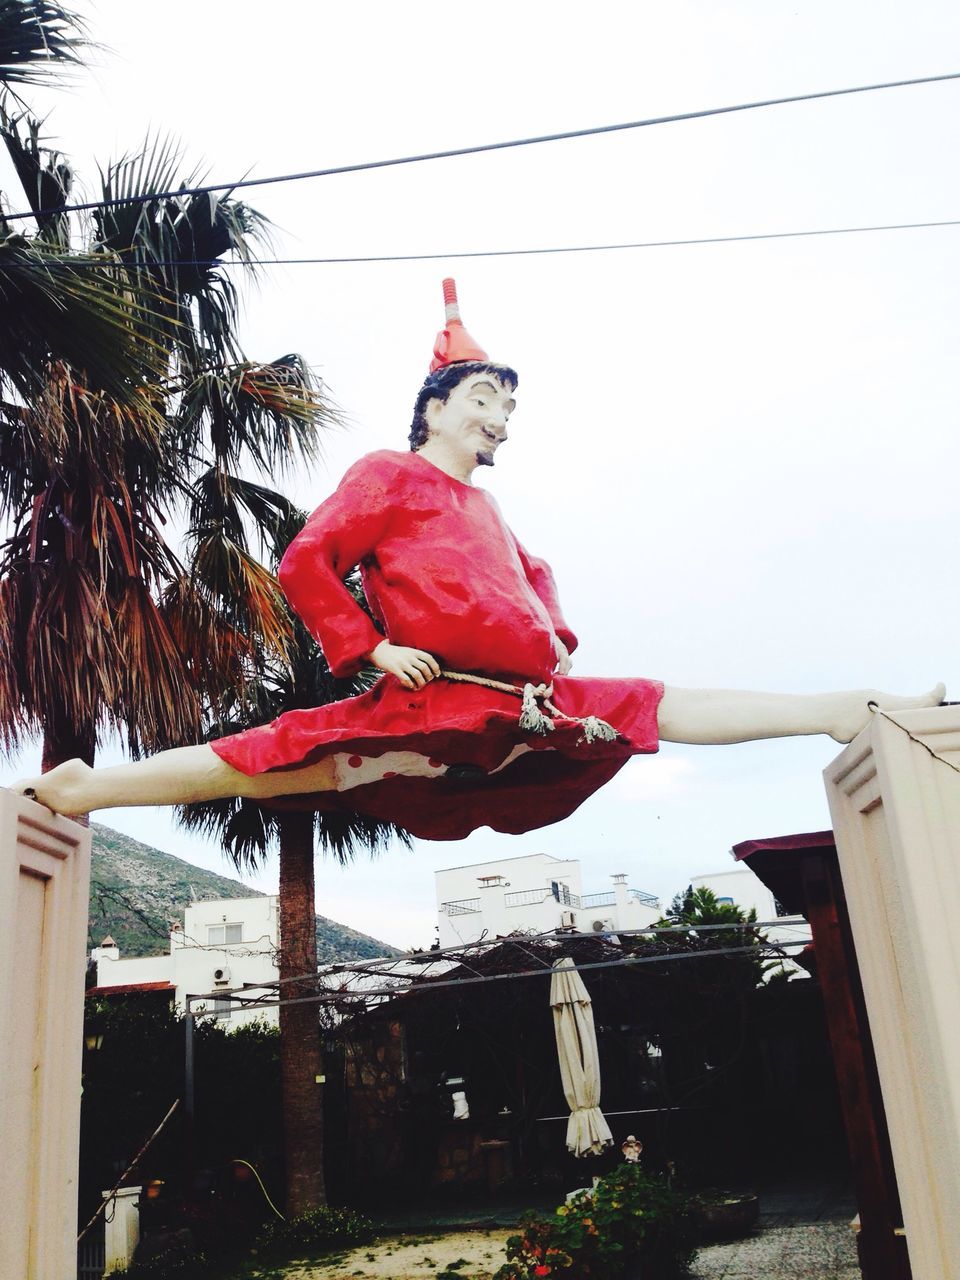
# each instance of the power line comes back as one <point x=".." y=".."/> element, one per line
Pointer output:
<point x="454" y="954"/>
<point x="761" y="951"/>
<point x="480" y="148"/>
<point x="102" y="264"/>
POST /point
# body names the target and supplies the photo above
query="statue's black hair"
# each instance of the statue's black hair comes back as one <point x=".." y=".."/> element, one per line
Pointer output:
<point x="437" y="386"/>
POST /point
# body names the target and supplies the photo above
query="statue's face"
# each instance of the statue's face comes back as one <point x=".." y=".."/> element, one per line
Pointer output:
<point x="472" y="421"/>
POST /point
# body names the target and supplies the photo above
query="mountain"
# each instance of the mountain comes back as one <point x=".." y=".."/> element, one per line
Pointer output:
<point x="137" y="891"/>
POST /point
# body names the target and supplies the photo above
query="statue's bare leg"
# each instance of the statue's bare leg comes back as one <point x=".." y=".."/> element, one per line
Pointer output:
<point x="181" y="776"/>
<point x="186" y="775"/>
<point x="730" y="715"/>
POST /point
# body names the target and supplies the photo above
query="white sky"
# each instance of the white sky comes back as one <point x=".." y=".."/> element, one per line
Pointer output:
<point x="739" y="459"/>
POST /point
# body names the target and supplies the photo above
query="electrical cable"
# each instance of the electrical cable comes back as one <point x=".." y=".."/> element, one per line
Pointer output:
<point x="434" y="985"/>
<point x="453" y="955"/>
<point x="102" y="264"/>
<point x="476" y="150"/>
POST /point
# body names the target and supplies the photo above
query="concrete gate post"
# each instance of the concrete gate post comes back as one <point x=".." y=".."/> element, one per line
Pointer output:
<point x="44" y="887"/>
<point x="121" y="1227"/>
<point x="896" y="818"/>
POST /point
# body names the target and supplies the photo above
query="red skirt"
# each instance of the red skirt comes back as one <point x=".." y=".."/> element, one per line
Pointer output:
<point x="469" y="729"/>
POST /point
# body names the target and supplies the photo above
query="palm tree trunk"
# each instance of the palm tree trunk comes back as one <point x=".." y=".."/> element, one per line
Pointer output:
<point x="300" y="1059"/>
<point x="64" y="742"/>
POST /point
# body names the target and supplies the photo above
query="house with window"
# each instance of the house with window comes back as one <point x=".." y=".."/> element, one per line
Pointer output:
<point x="534" y="893"/>
<point x="222" y="945"/>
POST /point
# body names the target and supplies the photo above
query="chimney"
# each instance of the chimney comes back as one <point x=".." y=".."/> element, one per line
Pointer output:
<point x="103" y="956"/>
<point x="622" y="897"/>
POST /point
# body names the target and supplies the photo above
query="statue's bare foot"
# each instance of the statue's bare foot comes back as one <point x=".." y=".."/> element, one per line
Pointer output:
<point x="853" y="710"/>
<point x="61" y="789"/>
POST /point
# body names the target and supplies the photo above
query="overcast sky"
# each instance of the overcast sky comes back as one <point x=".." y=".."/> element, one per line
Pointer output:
<point x="740" y="459"/>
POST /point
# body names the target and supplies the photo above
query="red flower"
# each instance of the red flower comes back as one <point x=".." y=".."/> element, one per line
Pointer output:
<point x="542" y="1270"/>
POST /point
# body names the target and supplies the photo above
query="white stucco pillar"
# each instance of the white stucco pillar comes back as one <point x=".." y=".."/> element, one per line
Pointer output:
<point x="896" y="818"/>
<point x="121" y="1228"/>
<point x="44" y="887"/>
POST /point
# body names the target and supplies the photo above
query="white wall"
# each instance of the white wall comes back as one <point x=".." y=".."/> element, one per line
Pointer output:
<point x="132" y="970"/>
<point x="196" y="960"/>
<point x="193" y="961"/>
<point x="471" y="902"/>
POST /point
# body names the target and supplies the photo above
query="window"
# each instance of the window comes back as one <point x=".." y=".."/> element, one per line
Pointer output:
<point x="725" y="902"/>
<point x="218" y="935"/>
<point x="221" y="1008"/>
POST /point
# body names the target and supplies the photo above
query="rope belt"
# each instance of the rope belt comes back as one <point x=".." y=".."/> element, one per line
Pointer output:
<point x="537" y="713"/>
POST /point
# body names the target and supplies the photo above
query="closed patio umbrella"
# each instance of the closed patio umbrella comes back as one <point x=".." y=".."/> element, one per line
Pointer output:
<point x="587" y="1131"/>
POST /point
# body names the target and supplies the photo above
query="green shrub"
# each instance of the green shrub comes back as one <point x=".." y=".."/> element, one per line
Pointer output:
<point x="631" y="1223"/>
<point x="316" y="1231"/>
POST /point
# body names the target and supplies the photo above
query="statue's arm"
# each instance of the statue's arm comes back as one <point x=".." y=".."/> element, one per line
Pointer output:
<point x="540" y="577"/>
<point x="338" y="535"/>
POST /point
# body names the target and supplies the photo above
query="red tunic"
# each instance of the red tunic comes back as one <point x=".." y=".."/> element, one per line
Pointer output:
<point x="442" y="572"/>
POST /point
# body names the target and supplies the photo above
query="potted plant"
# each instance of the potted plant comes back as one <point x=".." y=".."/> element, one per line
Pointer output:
<point x="631" y="1225"/>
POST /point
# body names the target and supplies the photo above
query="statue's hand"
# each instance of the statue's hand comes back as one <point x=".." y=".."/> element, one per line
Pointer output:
<point x="564" y="661"/>
<point x="413" y="667"/>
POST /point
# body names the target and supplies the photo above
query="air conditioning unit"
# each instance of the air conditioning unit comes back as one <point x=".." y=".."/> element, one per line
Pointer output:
<point x="605" y="925"/>
<point x="567" y="919"/>
<point x="221" y="977"/>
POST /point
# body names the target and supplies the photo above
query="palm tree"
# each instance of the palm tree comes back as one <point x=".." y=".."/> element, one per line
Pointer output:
<point x="56" y="303"/>
<point x="126" y="396"/>
<point x="102" y="625"/>
<point x="247" y="830"/>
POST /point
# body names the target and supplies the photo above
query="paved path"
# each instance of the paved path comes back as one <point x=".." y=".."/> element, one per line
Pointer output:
<point x="801" y="1251"/>
<point x="805" y="1251"/>
<point x="804" y="1234"/>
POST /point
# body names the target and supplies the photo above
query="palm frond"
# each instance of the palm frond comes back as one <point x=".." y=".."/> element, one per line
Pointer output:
<point x="129" y="228"/>
<point x="346" y="835"/>
<point x="273" y="413"/>
<point x="37" y="39"/>
<point x="163" y="709"/>
<point x="248" y="596"/>
<point x="219" y="501"/>
<point x="215" y="653"/>
<point x="65" y="654"/>
<point x="77" y="308"/>
<point x="244" y="828"/>
<point x="176" y="242"/>
<point x="45" y="175"/>
<point x="248" y="830"/>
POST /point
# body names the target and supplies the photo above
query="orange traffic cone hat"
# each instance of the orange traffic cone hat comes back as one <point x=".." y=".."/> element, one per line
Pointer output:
<point x="453" y="344"/>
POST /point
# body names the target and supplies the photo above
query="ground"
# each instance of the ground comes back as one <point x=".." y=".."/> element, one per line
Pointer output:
<point x="479" y="1254"/>
<point x="804" y="1234"/>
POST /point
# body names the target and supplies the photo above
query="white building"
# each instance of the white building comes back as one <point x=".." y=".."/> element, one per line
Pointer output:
<point x="223" y="944"/>
<point x="743" y="889"/>
<point x="534" y="893"/>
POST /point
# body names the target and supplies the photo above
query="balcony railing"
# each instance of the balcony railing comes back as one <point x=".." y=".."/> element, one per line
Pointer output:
<point x="524" y="897"/>
<point x="461" y="907"/>
<point x="609" y="899"/>
<point x="598" y="899"/>
<point x="533" y="897"/>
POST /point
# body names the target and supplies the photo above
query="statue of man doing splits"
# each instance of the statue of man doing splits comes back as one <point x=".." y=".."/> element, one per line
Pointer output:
<point x="476" y="720"/>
